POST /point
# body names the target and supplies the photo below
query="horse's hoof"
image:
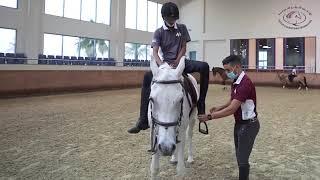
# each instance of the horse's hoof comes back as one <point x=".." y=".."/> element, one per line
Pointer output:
<point x="190" y="160"/>
<point x="307" y="89"/>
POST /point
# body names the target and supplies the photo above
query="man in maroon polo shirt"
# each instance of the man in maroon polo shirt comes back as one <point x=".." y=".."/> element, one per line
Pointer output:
<point x="243" y="106"/>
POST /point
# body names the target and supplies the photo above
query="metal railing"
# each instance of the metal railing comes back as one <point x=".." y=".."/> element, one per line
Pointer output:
<point x="300" y="69"/>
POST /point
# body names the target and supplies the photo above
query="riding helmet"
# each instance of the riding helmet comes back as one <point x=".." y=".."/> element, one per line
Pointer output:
<point x="170" y="10"/>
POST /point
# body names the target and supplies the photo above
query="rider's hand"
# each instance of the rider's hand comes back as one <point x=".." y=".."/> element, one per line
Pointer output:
<point x="175" y="63"/>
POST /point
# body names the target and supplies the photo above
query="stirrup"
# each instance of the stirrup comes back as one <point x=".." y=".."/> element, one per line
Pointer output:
<point x="203" y="131"/>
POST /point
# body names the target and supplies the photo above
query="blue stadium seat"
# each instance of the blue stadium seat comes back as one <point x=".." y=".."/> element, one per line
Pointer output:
<point x="59" y="60"/>
<point x="20" y="58"/>
<point x="2" y="59"/>
<point x="66" y="60"/>
<point x="51" y="59"/>
<point x="73" y="60"/>
<point x="99" y="61"/>
<point x="42" y="59"/>
<point x="105" y="61"/>
<point x="81" y="61"/>
<point x="112" y="62"/>
<point x="10" y="58"/>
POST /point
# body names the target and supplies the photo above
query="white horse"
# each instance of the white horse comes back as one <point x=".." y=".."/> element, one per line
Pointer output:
<point x="168" y="116"/>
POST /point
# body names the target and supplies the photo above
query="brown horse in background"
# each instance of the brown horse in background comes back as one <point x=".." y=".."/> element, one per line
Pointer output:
<point x="299" y="80"/>
<point x="222" y="74"/>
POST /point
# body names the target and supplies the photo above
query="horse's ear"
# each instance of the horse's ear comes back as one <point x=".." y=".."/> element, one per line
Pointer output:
<point x="154" y="67"/>
<point x="181" y="66"/>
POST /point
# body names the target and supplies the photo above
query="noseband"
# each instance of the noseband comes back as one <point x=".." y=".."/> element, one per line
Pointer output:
<point x="156" y="122"/>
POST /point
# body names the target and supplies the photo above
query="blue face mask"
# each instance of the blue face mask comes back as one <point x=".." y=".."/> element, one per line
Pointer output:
<point x="232" y="75"/>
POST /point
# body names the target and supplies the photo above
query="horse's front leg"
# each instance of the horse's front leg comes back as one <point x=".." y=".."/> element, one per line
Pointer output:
<point x="189" y="136"/>
<point x="180" y="153"/>
<point x="154" y="167"/>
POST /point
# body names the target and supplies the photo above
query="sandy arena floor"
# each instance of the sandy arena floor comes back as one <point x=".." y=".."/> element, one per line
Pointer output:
<point x="84" y="136"/>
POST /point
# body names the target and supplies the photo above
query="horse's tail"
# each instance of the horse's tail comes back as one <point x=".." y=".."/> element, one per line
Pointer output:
<point x="305" y="81"/>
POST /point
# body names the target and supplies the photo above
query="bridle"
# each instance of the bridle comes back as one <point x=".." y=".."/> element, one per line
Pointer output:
<point x="156" y="122"/>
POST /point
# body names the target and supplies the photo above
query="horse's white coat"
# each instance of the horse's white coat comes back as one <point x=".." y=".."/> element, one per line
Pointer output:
<point x="166" y="108"/>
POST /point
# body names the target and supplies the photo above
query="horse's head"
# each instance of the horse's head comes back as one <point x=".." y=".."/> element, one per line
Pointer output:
<point x="214" y="72"/>
<point x="166" y="104"/>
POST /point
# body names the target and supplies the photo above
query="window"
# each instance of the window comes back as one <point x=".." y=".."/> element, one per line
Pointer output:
<point x="137" y="51"/>
<point x="193" y="55"/>
<point x="72" y="9"/>
<point x="294" y="52"/>
<point x="8" y="40"/>
<point x="240" y="47"/>
<point x="97" y="11"/>
<point x="102" y="48"/>
<point x="103" y="11"/>
<point x="75" y="46"/>
<point x="52" y="44"/>
<point x="160" y="20"/>
<point x="9" y="3"/>
<point x="152" y="16"/>
<point x="149" y="52"/>
<point x="70" y="46"/>
<point x="54" y="7"/>
<point x="265" y="53"/>
<point x="143" y="15"/>
<point x="88" y="12"/>
<point x="131" y="14"/>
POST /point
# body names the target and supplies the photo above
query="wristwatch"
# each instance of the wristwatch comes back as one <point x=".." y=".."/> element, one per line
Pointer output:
<point x="209" y="116"/>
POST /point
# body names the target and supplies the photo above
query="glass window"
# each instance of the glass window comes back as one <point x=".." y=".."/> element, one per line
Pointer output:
<point x="294" y="51"/>
<point x="8" y="40"/>
<point x="70" y="46"/>
<point x="142" y="51"/>
<point x="142" y="15"/>
<point x="54" y="7"/>
<point x="88" y="10"/>
<point x="152" y="16"/>
<point x="52" y="44"/>
<point x="103" y="11"/>
<point x="130" y="51"/>
<point x="240" y="47"/>
<point x="160" y="20"/>
<point x="9" y="3"/>
<point x="72" y="9"/>
<point x="193" y="55"/>
<point x="131" y="14"/>
<point x="102" y="48"/>
<point x="149" y="52"/>
<point x="265" y="53"/>
<point x="87" y="47"/>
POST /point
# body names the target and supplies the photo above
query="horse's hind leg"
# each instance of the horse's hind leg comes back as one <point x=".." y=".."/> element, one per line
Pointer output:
<point x="189" y="136"/>
<point x="154" y="167"/>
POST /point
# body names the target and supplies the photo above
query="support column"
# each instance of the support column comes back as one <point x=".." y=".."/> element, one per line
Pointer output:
<point x="252" y="54"/>
<point x="318" y="54"/>
<point x="279" y="53"/>
<point x="310" y="54"/>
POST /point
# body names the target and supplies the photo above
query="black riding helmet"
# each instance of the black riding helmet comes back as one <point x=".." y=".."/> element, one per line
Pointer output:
<point x="170" y="10"/>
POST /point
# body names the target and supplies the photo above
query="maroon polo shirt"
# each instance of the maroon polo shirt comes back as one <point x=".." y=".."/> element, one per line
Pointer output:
<point x="244" y="91"/>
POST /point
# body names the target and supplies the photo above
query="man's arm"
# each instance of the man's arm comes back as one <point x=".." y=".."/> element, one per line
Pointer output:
<point x="227" y="111"/>
<point x="156" y="55"/>
<point x="214" y="109"/>
<point x="181" y="53"/>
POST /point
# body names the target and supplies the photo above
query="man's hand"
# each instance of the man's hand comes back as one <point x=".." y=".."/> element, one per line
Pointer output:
<point x="203" y="117"/>
<point x="214" y="109"/>
<point x="175" y="63"/>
